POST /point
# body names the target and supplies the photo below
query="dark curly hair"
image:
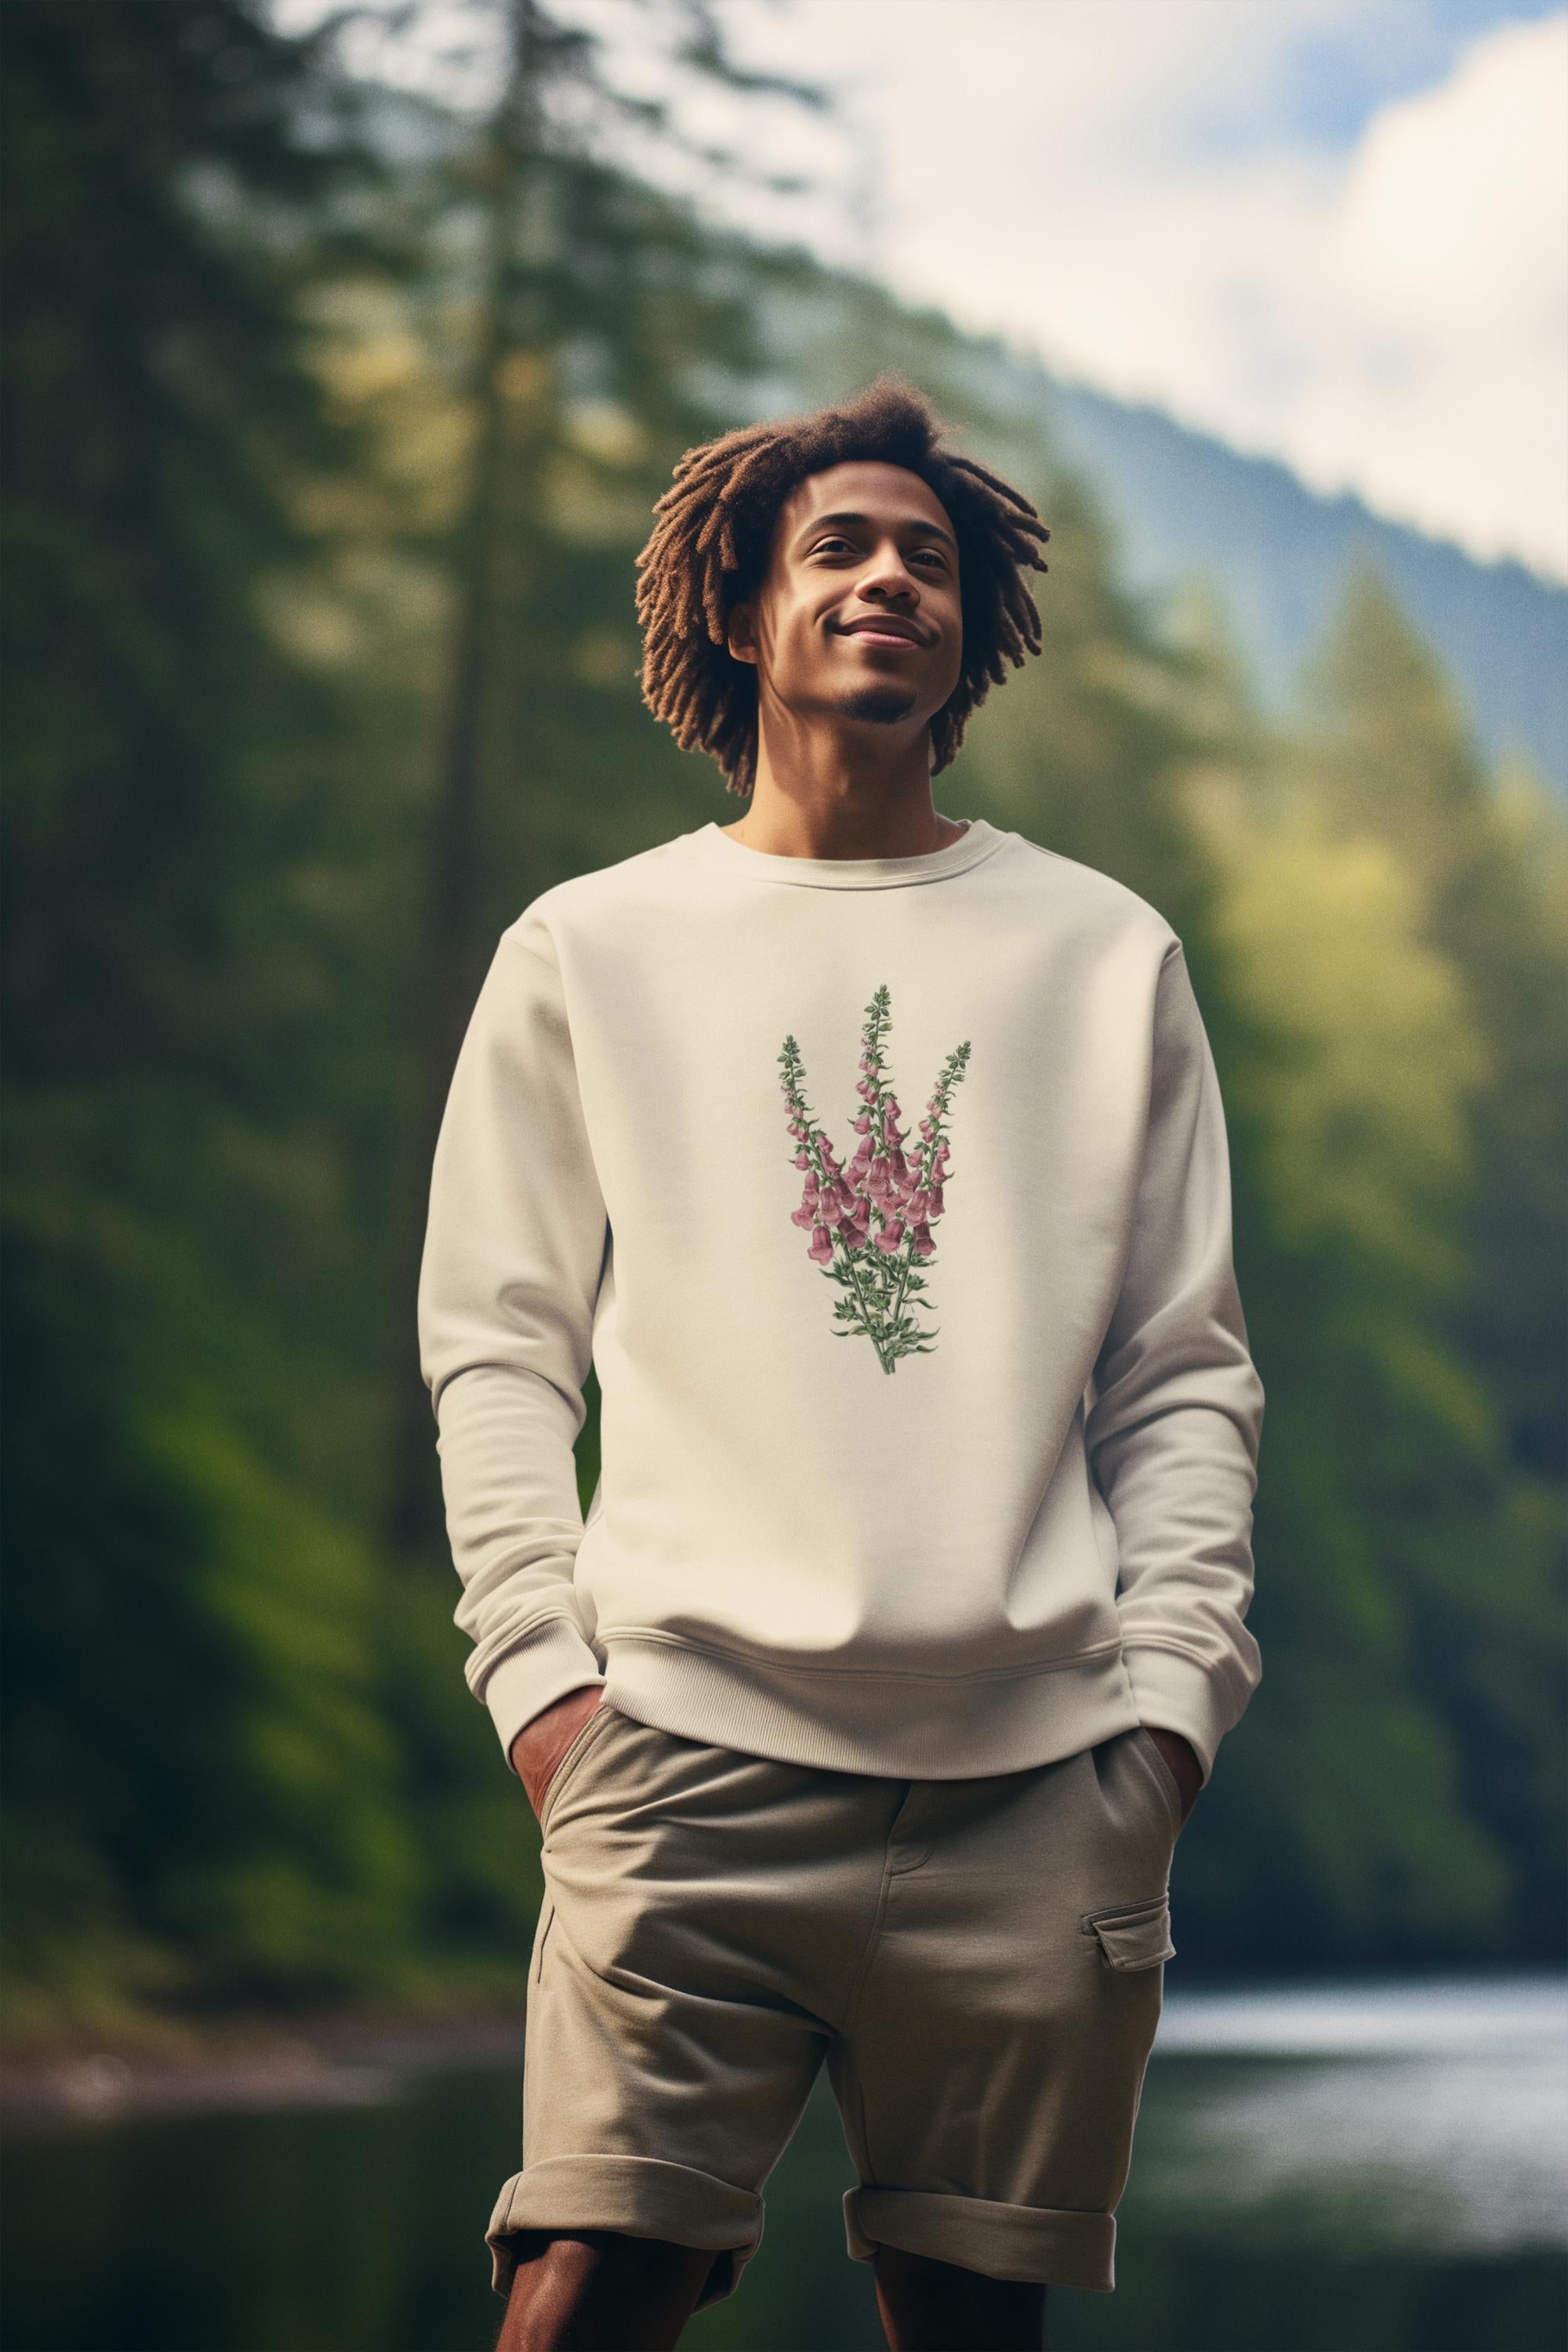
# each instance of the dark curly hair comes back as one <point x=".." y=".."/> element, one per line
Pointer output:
<point x="709" y="552"/>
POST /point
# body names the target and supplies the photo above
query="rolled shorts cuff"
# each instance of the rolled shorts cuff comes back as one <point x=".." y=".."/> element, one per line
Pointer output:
<point x="641" y="2196"/>
<point x="1052" y="2245"/>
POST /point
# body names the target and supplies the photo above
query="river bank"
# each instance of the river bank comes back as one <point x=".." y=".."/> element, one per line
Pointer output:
<point x="248" y="2062"/>
<point x="1382" y="2164"/>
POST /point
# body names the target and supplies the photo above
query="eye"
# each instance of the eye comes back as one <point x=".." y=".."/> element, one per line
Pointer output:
<point x="831" y="545"/>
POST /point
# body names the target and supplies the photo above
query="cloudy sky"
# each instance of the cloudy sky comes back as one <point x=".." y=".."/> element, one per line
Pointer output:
<point x="1331" y="231"/>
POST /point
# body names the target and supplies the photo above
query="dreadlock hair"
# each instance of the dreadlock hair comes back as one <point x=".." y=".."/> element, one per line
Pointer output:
<point x="709" y="548"/>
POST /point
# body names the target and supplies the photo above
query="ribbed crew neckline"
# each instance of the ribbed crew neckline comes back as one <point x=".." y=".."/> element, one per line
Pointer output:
<point x="979" y="841"/>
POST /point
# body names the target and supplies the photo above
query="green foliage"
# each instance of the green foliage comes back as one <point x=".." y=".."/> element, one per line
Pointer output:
<point x="174" y="1562"/>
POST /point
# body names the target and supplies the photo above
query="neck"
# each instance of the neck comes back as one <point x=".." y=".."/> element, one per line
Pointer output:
<point x="854" y="790"/>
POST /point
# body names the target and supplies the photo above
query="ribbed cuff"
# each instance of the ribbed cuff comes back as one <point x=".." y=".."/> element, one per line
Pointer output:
<point x="1049" y="2246"/>
<point x="1175" y="1693"/>
<point x="553" y="1660"/>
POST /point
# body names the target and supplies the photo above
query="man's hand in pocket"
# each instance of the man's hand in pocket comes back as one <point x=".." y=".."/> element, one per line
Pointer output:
<point x="1182" y="1758"/>
<point x="542" y="1743"/>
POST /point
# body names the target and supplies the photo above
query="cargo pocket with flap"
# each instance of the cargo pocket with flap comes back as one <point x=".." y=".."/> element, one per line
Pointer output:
<point x="1133" y="1935"/>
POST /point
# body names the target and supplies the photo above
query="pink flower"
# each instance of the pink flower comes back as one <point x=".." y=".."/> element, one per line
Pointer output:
<point x="889" y="1194"/>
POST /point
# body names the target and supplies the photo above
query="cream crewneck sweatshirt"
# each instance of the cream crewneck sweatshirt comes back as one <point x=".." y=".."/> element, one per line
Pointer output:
<point x="889" y="1199"/>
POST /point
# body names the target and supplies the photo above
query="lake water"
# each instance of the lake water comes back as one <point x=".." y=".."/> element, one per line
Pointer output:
<point x="1380" y="2169"/>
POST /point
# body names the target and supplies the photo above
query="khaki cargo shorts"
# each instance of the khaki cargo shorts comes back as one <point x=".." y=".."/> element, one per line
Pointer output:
<point x="980" y="1963"/>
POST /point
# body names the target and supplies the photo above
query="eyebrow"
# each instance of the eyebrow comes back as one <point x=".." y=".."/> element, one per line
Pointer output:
<point x="925" y="529"/>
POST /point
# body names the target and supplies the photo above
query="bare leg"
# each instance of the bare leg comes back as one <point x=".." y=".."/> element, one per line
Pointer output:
<point x="931" y="2307"/>
<point x="600" y="2291"/>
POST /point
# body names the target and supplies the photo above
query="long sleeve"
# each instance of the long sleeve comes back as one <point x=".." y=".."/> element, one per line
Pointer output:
<point x="513" y="1254"/>
<point x="1173" y="1435"/>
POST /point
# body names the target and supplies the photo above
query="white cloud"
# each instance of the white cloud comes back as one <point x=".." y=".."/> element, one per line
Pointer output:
<point x="1123" y="185"/>
<point x="1097" y="178"/>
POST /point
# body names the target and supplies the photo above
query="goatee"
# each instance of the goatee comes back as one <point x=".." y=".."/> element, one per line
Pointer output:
<point x="885" y="705"/>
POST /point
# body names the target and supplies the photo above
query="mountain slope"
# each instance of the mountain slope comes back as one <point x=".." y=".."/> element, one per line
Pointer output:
<point x="1276" y="554"/>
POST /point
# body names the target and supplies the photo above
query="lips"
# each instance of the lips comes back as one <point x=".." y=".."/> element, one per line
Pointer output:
<point x="903" y="631"/>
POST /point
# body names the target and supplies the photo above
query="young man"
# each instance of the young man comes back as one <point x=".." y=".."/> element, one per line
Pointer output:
<point x="876" y="1160"/>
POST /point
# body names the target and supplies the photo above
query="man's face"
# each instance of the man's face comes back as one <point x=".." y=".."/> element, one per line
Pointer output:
<point x="858" y="616"/>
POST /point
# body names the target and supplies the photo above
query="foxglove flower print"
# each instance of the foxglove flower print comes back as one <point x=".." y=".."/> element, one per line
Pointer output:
<point x="870" y="1222"/>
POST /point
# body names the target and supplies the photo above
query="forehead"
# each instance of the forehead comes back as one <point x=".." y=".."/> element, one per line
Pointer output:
<point x="889" y="496"/>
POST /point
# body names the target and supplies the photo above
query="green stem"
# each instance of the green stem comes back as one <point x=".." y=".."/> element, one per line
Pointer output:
<point x="924" y="1156"/>
<point x="866" y="1319"/>
<point x="814" y="1147"/>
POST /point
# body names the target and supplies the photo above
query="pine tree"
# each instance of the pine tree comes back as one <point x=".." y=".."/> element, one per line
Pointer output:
<point x="196" y="1770"/>
<point x="1475" y="1540"/>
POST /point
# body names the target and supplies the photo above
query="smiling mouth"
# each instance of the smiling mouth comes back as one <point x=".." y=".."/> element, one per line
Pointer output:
<point x="882" y="633"/>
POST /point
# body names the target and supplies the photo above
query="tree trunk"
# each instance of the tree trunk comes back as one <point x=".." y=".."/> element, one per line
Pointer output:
<point x="453" y="951"/>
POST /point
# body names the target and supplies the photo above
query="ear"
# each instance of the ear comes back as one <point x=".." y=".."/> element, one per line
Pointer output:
<point x="741" y="632"/>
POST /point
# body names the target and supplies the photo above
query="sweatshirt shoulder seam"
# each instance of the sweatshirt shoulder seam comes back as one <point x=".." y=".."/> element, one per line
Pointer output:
<point x="514" y="933"/>
<point x="528" y="950"/>
<point x="1111" y="882"/>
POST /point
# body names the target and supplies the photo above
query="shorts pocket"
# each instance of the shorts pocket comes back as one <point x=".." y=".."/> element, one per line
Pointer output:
<point x="1134" y="1936"/>
<point x="1148" y="1746"/>
<point x="544" y="1939"/>
<point x="572" y="1757"/>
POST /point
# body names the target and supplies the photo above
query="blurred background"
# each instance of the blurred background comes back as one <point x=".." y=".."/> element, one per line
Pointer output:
<point x="348" y="349"/>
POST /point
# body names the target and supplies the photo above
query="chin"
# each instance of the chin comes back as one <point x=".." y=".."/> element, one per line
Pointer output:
<point x="882" y="705"/>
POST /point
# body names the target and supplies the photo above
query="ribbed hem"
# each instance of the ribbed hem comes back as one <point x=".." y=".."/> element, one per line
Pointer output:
<point x="1176" y="1691"/>
<point x="553" y="1659"/>
<point x="1050" y="2245"/>
<point x="924" y="1727"/>
<point x="639" y="2195"/>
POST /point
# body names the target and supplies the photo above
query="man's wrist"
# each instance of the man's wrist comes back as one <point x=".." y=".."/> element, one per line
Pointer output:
<point x="1183" y="1762"/>
<point x="543" y="1740"/>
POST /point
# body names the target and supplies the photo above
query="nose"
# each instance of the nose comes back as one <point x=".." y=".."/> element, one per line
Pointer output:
<point x="888" y="579"/>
